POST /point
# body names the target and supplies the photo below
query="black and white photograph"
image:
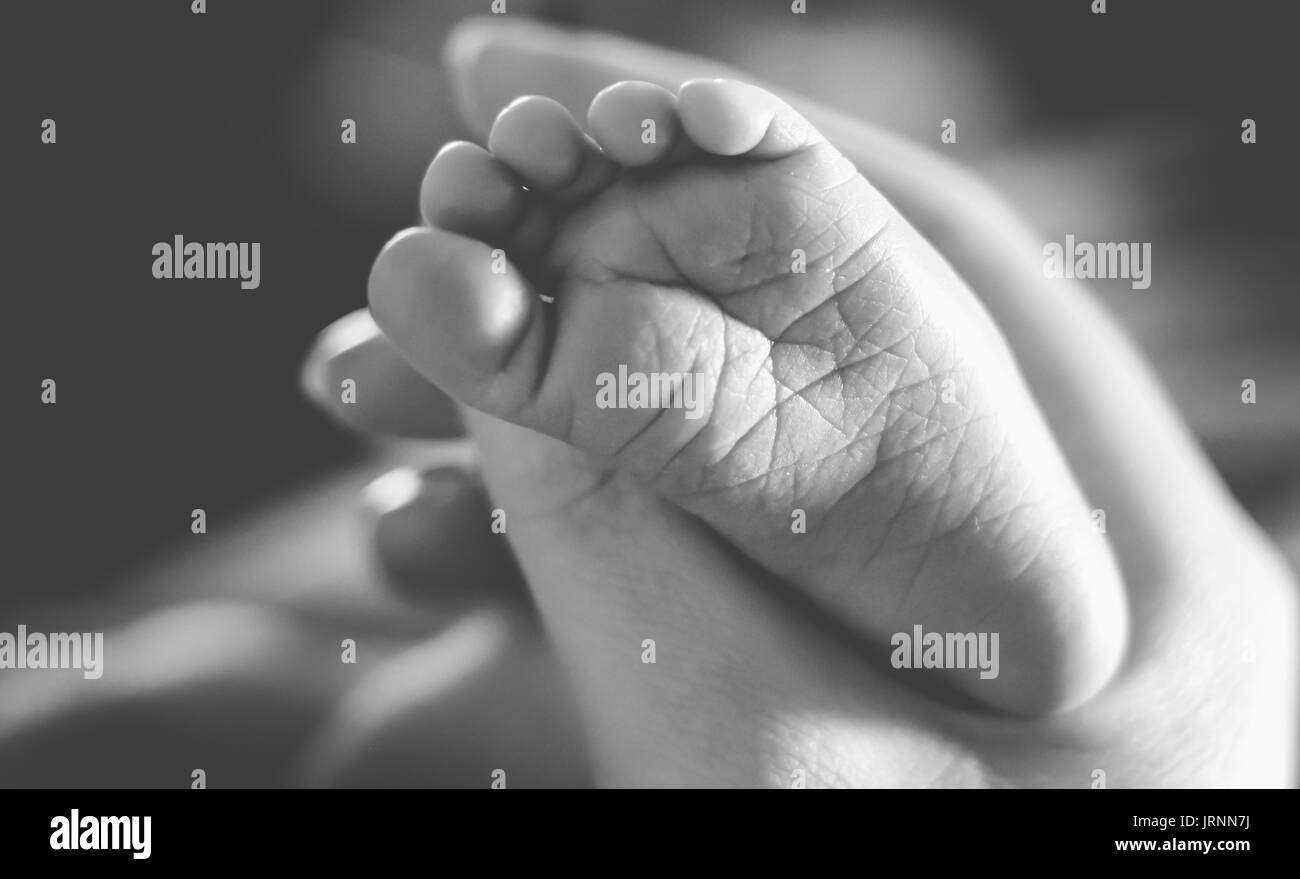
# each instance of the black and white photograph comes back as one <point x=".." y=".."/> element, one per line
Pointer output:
<point x="641" y="394"/>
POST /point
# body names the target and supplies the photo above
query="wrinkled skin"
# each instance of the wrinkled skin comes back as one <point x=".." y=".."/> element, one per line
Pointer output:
<point x="745" y="689"/>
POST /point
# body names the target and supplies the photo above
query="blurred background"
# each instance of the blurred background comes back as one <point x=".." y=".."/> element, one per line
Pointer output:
<point x="175" y="396"/>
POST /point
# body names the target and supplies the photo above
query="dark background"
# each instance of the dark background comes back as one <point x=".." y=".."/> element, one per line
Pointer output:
<point x="225" y="127"/>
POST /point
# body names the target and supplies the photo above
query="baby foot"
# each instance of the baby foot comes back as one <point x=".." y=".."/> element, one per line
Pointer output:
<point x="743" y="322"/>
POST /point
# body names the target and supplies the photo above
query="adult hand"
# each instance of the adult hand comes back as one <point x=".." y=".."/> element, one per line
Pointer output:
<point x="747" y="688"/>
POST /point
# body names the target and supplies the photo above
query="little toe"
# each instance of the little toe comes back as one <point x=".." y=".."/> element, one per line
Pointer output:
<point x="730" y="118"/>
<point x="635" y="123"/>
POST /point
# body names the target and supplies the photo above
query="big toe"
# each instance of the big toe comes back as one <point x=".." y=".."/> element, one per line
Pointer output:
<point x="462" y="314"/>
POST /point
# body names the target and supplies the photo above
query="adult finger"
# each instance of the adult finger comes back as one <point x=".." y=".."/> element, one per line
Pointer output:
<point x="439" y="539"/>
<point x="481" y="704"/>
<point x="356" y="375"/>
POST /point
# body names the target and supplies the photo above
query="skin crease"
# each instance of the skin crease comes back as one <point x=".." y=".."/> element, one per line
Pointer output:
<point x="746" y="689"/>
<point x="744" y="693"/>
<point x="918" y="511"/>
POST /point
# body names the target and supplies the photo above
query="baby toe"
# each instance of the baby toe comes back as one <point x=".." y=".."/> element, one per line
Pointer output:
<point x="467" y="191"/>
<point x="729" y="118"/>
<point x="541" y="142"/>
<point x="462" y="315"/>
<point x="635" y="123"/>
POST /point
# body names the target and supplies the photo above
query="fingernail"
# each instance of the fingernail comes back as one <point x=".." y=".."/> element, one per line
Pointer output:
<point x="339" y="337"/>
<point x="392" y="491"/>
